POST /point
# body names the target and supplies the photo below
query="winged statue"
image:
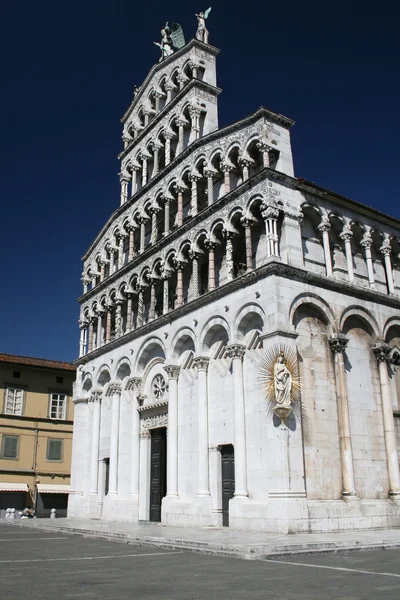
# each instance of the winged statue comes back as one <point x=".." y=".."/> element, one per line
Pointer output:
<point x="172" y="39"/>
<point x="202" y="31"/>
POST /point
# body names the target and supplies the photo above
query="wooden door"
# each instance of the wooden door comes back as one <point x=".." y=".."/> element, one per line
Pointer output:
<point x="158" y="472"/>
<point x="228" y="480"/>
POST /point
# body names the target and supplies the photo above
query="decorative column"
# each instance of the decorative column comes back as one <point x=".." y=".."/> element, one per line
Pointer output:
<point x="167" y="201"/>
<point x="180" y="189"/>
<point x="122" y="237"/>
<point x="181" y="124"/>
<point x="102" y="270"/>
<point x="152" y="308"/>
<point x="346" y="236"/>
<point x="338" y="345"/>
<point x="90" y="341"/>
<point x="203" y="487"/>
<point x="118" y="318"/>
<point x="382" y="352"/>
<point x="142" y="221"/>
<point x="247" y="223"/>
<point x="131" y="251"/>
<point x="230" y="271"/>
<point x="95" y="402"/>
<point x="134" y="385"/>
<point x="193" y="201"/>
<point x="135" y="169"/>
<point x="194" y="113"/>
<point x="139" y="319"/>
<point x="210" y="187"/>
<point x="324" y="228"/>
<point x="144" y="157"/>
<point x="124" y="179"/>
<point x="129" y="312"/>
<point x="264" y="149"/>
<point x="366" y="243"/>
<point x="179" y="264"/>
<point x="82" y="326"/>
<point x="270" y="214"/>
<point x="245" y="164"/>
<point x="85" y="282"/>
<point x="126" y="139"/>
<point x="113" y="265"/>
<point x="168" y="89"/>
<point x="108" y="324"/>
<point x="172" y="439"/>
<point x="114" y="390"/>
<point x="168" y="138"/>
<point x="165" y="275"/>
<point x="194" y="256"/>
<point x="100" y="314"/>
<point x="158" y="97"/>
<point x="236" y="353"/>
<point x="156" y="157"/>
<point x="226" y="169"/>
<point x="154" y="210"/>
<point x="386" y="250"/>
<point x="211" y="264"/>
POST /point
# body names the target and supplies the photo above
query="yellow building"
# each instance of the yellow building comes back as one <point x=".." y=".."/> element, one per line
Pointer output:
<point x="36" y="419"/>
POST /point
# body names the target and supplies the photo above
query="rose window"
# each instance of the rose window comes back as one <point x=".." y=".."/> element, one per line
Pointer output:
<point x="158" y="387"/>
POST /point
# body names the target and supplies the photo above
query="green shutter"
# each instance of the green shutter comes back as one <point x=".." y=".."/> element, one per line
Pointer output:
<point x="10" y="446"/>
<point x="54" y="450"/>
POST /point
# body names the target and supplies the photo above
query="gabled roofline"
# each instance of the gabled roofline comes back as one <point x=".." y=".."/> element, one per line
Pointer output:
<point x="157" y="67"/>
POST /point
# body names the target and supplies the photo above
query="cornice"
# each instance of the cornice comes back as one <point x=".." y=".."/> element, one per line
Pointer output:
<point x="193" y="83"/>
<point x="182" y="157"/>
<point x="272" y="268"/>
<point x="161" y="65"/>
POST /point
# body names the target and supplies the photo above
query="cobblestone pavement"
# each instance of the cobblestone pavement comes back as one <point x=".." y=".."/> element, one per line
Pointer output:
<point x="42" y="565"/>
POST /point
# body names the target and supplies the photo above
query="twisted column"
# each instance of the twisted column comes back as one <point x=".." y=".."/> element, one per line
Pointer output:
<point x="118" y="319"/>
<point x="194" y="256"/>
<point x="142" y="222"/>
<point x="193" y="202"/>
<point x="210" y="188"/>
<point x="338" y="345"/>
<point x="165" y="275"/>
<point x="131" y="251"/>
<point x="139" y="319"/>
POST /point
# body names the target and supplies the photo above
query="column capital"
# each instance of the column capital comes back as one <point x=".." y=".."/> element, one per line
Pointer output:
<point x="264" y="147"/>
<point x="386" y="248"/>
<point x="226" y="167"/>
<point x="246" y="222"/>
<point x="201" y="363"/>
<point x="95" y="396"/>
<point x="134" y="384"/>
<point x="235" y="350"/>
<point x="381" y="351"/>
<point x="210" y="173"/>
<point x="269" y="211"/>
<point x="83" y="323"/>
<point x="113" y="388"/>
<point x="338" y="343"/>
<point x="193" y="177"/>
<point x="166" y="274"/>
<point x="124" y="177"/>
<point x="172" y="371"/>
<point x="366" y="240"/>
<point x="194" y="254"/>
<point x="324" y="225"/>
<point x="346" y="234"/>
<point x="245" y="162"/>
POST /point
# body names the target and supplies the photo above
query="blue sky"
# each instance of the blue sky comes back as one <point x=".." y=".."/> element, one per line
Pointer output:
<point x="68" y="71"/>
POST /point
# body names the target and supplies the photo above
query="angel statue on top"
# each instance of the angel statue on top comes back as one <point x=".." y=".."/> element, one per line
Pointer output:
<point x="202" y="31"/>
<point x="166" y="42"/>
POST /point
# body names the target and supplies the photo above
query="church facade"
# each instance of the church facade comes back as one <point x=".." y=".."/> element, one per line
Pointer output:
<point x="239" y="329"/>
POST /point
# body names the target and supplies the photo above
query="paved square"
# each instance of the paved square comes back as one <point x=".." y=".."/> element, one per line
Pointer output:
<point x="43" y="565"/>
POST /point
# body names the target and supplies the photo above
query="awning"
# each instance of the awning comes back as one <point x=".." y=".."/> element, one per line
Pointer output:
<point x="13" y="487"/>
<point x="52" y="488"/>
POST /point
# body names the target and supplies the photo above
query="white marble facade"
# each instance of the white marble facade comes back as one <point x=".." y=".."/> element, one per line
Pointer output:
<point x="216" y="255"/>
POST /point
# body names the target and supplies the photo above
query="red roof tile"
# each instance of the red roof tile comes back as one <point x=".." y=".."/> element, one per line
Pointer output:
<point x="36" y="362"/>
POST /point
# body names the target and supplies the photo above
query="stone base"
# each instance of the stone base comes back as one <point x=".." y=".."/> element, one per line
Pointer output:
<point x="196" y="513"/>
<point x="352" y="514"/>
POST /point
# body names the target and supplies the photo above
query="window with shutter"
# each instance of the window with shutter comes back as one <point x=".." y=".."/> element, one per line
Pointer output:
<point x="9" y="446"/>
<point x="14" y="401"/>
<point x="54" y="449"/>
